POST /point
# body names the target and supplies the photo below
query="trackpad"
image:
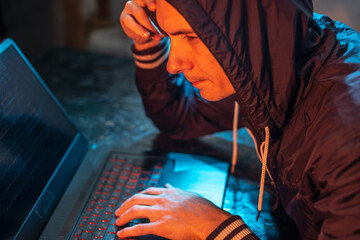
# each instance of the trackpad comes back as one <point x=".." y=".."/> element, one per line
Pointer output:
<point x="203" y="175"/>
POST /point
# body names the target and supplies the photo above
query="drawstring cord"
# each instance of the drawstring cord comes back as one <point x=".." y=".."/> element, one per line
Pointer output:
<point x="264" y="149"/>
<point x="235" y="128"/>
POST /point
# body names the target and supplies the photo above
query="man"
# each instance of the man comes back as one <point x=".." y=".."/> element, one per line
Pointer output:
<point x="296" y="77"/>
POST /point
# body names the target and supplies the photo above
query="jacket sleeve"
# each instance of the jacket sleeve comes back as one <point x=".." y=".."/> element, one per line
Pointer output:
<point x="172" y="103"/>
<point x="338" y="205"/>
<point x="233" y="228"/>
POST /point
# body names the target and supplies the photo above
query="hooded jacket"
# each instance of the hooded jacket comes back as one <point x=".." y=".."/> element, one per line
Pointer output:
<point x="295" y="72"/>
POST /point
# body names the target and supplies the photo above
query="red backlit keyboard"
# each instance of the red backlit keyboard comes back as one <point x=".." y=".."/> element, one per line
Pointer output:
<point x="121" y="178"/>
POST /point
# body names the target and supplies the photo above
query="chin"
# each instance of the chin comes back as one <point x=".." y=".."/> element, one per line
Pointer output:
<point x="212" y="97"/>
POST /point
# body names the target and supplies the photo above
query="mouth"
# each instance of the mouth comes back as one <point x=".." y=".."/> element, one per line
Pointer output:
<point x="196" y="83"/>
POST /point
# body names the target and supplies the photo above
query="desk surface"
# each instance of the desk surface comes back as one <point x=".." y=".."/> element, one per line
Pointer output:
<point x="99" y="94"/>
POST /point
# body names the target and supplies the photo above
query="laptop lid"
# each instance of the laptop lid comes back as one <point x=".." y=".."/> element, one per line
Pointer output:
<point x="49" y="149"/>
<point x="40" y="148"/>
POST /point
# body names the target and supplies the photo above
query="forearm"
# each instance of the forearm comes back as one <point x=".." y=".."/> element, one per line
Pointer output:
<point x="233" y="228"/>
<point x="174" y="104"/>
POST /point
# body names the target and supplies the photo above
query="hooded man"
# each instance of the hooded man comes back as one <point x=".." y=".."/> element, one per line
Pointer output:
<point x="296" y="77"/>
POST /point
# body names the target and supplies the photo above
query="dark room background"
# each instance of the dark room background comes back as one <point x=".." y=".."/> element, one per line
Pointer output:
<point x="93" y="25"/>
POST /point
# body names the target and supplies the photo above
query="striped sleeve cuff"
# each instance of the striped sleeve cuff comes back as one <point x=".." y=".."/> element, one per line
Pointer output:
<point x="153" y="57"/>
<point x="233" y="228"/>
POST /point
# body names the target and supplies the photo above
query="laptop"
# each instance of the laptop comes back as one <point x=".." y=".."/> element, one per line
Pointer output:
<point x="54" y="185"/>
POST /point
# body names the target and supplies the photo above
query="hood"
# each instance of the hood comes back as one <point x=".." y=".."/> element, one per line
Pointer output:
<point x="257" y="43"/>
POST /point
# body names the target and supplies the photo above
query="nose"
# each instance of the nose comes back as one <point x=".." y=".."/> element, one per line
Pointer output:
<point x="179" y="61"/>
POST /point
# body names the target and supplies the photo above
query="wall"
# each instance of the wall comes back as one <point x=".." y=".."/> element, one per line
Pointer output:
<point x="346" y="11"/>
<point x="29" y="23"/>
<point x="38" y="25"/>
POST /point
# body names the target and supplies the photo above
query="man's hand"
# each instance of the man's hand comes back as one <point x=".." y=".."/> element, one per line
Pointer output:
<point x="173" y="214"/>
<point x="138" y="25"/>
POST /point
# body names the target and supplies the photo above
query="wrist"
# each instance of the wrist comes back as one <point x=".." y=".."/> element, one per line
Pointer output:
<point x="145" y="46"/>
<point x="203" y="231"/>
<point x="232" y="228"/>
<point x="152" y="56"/>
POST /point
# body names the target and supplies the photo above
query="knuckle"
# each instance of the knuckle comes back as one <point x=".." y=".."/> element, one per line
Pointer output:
<point x="128" y="3"/>
<point x="135" y="209"/>
<point x="136" y="198"/>
<point x="162" y="201"/>
<point x="127" y="6"/>
<point x="127" y="19"/>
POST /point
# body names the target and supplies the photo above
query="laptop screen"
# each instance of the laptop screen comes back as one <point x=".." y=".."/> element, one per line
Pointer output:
<point x="33" y="139"/>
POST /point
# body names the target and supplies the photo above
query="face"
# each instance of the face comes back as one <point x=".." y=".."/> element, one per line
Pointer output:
<point x="189" y="55"/>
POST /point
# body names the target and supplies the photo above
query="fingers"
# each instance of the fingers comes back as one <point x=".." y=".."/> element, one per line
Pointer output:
<point x="153" y="191"/>
<point x="133" y="29"/>
<point x="147" y="198"/>
<point x="140" y="15"/>
<point x="135" y="212"/>
<point x="136" y="22"/>
<point x="137" y="230"/>
<point x="138" y="199"/>
<point x="150" y="4"/>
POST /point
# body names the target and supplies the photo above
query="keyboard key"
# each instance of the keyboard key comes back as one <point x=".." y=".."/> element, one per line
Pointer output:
<point x="83" y="222"/>
<point x="116" y="195"/>
<point x="145" y="175"/>
<point x="86" y="236"/>
<point x="113" y="201"/>
<point x="91" y="205"/>
<point x="136" y="171"/>
<point x="97" y="211"/>
<point x="87" y="213"/>
<point x="125" y="174"/>
<point x="93" y="219"/>
<point x="152" y="183"/>
<point x="124" y="198"/>
<point x="110" y="236"/>
<point x="106" y="217"/>
<point x="129" y="191"/>
<point x="120" y="180"/>
<point x="103" y="225"/>
<point x="157" y="169"/>
<point x="112" y="229"/>
<point x="90" y="227"/>
<point x="142" y="182"/>
<point x="95" y="196"/>
<point x="102" y="181"/>
<point x="104" y="197"/>
<point x="131" y="185"/>
<point x="110" y="210"/>
<point x="101" y="204"/>
<point x="114" y="176"/>
<point x="78" y="232"/>
<point x="111" y="182"/>
<point x="140" y="188"/>
<point x="134" y="177"/>
<point x="128" y="167"/>
<point x="99" y="233"/>
<point x="108" y="189"/>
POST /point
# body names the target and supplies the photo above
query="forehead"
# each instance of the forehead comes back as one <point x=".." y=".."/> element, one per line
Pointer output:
<point x="169" y="19"/>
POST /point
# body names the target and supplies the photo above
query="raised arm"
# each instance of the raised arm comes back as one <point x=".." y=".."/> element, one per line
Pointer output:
<point x="172" y="103"/>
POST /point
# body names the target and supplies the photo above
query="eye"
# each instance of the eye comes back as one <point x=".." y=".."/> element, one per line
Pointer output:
<point x="190" y="37"/>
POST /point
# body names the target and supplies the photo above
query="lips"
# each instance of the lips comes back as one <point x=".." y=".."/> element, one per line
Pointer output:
<point x="197" y="82"/>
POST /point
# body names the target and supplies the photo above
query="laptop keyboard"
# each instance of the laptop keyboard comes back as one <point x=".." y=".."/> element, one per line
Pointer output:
<point x="122" y="177"/>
